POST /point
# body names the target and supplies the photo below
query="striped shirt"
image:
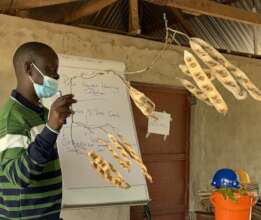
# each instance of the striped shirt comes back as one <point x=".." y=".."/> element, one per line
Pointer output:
<point x="30" y="174"/>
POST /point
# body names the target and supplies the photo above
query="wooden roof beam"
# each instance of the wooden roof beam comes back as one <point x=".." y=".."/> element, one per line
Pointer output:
<point x="27" y="4"/>
<point x="184" y="22"/>
<point x="87" y="9"/>
<point x="214" y="9"/>
<point x="134" y="21"/>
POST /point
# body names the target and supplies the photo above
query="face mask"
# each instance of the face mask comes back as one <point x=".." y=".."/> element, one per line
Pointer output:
<point x="49" y="87"/>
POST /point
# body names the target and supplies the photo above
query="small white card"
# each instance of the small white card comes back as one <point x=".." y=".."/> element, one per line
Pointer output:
<point x="160" y="126"/>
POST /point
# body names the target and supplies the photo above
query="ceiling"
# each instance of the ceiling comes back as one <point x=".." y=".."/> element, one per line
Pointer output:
<point x="141" y="18"/>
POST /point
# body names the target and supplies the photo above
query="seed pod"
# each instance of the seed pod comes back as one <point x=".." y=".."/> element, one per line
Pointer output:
<point x="205" y="85"/>
<point x="208" y="72"/>
<point x="220" y="72"/>
<point x="135" y="156"/>
<point x="241" y="77"/>
<point x="106" y="170"/>
<point x="146" y="106"/>
<point x="124" y="163"/>
<point x="195" y="91"/>
<point x="116" y="144"/>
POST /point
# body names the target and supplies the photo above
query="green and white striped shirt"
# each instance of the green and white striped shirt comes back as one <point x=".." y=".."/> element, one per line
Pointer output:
<point x="30" y="174"/>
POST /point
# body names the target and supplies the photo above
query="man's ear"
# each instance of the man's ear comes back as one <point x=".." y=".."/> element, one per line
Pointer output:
<point x="28" y="68"/>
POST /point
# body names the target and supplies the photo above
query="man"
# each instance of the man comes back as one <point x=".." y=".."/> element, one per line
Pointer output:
<point x="30" y="174"/>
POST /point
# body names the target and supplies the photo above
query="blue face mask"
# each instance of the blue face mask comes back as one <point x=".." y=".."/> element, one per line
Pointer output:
<point x="49" y="87"/>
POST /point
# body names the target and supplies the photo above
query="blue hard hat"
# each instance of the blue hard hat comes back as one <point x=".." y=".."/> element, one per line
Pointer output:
<point x="225" y="178"/>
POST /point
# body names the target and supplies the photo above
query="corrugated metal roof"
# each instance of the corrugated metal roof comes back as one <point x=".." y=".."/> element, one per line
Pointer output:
<point x="114" y="17"/>
<point x="226" y="34"/>
<point x="223" y="34"/>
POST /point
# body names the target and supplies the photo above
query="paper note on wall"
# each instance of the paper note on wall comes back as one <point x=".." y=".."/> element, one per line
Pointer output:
<point x="161" y="125"/>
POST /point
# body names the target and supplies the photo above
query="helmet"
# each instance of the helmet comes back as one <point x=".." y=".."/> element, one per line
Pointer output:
<point x="225" y="178"/>
<point x="243" y="176"/>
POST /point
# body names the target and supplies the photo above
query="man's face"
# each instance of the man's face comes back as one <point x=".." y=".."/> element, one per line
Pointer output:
<point x="48" y="67"/>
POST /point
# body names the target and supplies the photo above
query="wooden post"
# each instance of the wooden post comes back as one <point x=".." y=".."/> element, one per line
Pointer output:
<point x="134" y="21"/>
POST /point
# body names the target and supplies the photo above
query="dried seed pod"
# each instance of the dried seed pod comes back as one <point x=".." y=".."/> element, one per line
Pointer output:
<point x="185" y="70"/>
<point x="124" y="163"/>
<point x="221" y="73"/>
<point x="121" y="150"/>
<point x="142" y="102"/>
<point x="106" y="170"/>
<point x="241" y="77"/>
<point x="246" y="83"/>
<point x="135" y="156"/>
<point x="206" y="86"/>
<point x="146" y="106"/>
<point x="195" y="91"/>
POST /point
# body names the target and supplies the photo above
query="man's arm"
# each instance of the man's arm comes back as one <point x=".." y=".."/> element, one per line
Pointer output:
<point x="21" y="166"/>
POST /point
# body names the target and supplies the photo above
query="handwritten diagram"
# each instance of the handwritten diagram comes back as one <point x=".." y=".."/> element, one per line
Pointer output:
<point x="88" y="118"/>
<point x="102" y="103"/>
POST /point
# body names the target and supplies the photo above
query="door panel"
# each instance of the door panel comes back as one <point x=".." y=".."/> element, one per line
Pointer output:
<point x="167" y="161"/>
<point x="168" y="189"/>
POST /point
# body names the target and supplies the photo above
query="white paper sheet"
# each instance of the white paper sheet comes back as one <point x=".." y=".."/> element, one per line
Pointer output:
<point x="160" y="126"/>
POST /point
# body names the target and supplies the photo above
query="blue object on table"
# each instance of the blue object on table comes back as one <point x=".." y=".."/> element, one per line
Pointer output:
<point x="225" y="178"/>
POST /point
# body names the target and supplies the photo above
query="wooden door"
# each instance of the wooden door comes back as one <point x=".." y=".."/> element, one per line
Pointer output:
<point x="167" y="161"/>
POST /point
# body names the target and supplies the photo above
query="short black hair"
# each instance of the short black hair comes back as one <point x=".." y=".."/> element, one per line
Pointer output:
<point x="30" y="51"/>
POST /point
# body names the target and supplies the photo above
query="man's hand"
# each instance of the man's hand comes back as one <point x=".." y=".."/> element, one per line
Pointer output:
<point x="60" y="110"/>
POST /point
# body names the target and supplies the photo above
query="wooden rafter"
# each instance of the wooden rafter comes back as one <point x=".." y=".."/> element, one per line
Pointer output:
<point x="214" y="9"/>
<point x="134" y="21"/>
<point x="27" y="4"/>
<point x="87" y="9"/>
<point x="184" y="22"/>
